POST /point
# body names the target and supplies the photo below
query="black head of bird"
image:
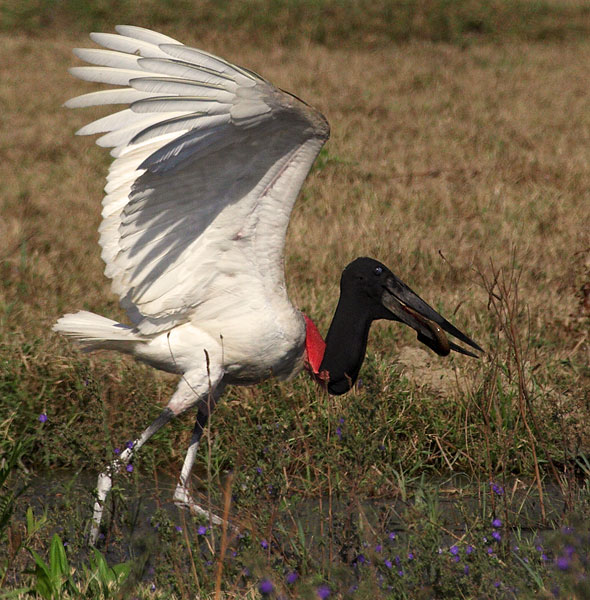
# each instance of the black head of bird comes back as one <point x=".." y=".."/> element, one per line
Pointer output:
<point x="370" y="291"/>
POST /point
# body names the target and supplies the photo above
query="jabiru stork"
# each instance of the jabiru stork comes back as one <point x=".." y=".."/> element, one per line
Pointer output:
<point x="209" y="159"/>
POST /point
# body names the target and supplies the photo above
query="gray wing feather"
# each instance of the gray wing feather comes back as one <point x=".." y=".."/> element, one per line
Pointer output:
<point x="209" y="160"/>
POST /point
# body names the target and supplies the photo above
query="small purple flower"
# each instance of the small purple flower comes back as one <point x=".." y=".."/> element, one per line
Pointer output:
<point x="454" y="550"/>
<point x="569" y="550"/>
<point x="410" y="556"/>
<point x="360" y="559"/>
<point x="497" y="489"/>
<point x="456" y="558"/>
<point x="202" y="530"/>
<point x="497" y="584"/>
<point x="266" y="587"/>
<point x="292" y="577"/>
<point x="42" y="418"/>
<point x="490" y="550"/>
<point x="178" y="528"/>
<point x="339" y="432"/>
<point x="323" y="592"/>
<point x="496" y="523"/>
<point x="153" y="587"/>
<point x="400" y="573"/>
<point x="563" y="563"/>
<point x="397" y="560"/>
<point x="116" y="450"/>
<point x="129" y="468"/>
<point x="496" y="535"/>
<point x="544" y="557"/>
<point x="469" y="549"/>
<point x="129" y="444"/>
<point x="388" y="563"/>
<point x="264" y="544"/>
<point x="466" y="570"/>
<point x="392" y="535"/>
<point x="378" y="548"/>
<point x="259" y="471"/>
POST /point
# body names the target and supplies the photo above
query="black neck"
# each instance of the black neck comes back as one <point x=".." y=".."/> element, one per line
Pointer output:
<point x="346" y="344"/>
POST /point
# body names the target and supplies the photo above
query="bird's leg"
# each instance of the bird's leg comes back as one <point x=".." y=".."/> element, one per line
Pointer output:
<point x="182" y="495"/>
<point x="105" y="481"/>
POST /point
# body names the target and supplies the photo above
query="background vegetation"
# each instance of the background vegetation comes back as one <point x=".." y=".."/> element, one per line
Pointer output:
<point x="460" y="156"/>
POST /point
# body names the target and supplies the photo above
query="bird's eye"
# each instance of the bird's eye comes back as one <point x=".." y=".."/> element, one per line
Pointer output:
<point x="378" y="270"/>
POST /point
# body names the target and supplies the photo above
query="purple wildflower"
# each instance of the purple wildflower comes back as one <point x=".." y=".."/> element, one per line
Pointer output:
<point x="378" y="548"/>
<point x="323" y="591"/>
<point x="456" y="558"/>
<point x="400" y="573"/>
<point x="339" y="432"/>
<point x="292" y="577"/>
<point x="266" y="587"/>
<point x="466" y="570"/>
<point x="129" y="444"/>
<point x="497" y="489"/>
<point x="392" y="535"/>
<point x="388" y="563"/>
<point x="496" y="535"/>
<point x="497" y="584"/>
<point x="42" y="418"/>
<point x="544" y="557"/>
<point x="202" y="530"/>
<point x="361" y="559"/>
<point x="469" y="549"/>
<point x="129" y="468"/>
<point x="264" y="544"/>
<point x="563" y="563"/>
<point x="178" y="528"/>
<point x="454" y="550"/>
<point x="490" y="550"/>
<point x="496" y="523"/>
<point x="259" y="471"/>
<point x="116" y="450"/>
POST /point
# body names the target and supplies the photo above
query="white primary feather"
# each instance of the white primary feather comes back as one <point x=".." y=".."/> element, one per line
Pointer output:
<point x="210" y="158"/>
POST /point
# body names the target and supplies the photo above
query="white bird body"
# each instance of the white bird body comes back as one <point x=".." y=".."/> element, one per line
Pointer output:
<point x="209" y="161"/>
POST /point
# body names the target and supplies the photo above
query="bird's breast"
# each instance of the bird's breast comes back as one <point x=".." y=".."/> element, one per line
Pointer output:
<point x="259" y="344"/>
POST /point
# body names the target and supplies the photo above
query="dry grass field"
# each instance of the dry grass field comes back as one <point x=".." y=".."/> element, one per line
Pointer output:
<point x="465" y="169"/>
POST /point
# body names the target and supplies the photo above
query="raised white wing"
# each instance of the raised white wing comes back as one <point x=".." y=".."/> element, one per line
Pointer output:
<point x="209" y="159"/>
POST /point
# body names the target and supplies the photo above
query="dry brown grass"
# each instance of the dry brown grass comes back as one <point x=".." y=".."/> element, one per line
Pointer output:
<point x="441" y="160"/>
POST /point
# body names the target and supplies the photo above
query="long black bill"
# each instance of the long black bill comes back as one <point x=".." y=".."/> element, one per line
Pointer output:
<point x="409" y="308"/>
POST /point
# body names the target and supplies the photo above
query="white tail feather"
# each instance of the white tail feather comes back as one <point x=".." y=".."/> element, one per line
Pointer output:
<point x="94" y="332"/>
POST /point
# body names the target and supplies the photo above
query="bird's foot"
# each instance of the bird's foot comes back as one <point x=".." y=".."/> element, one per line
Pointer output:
<point x="182" y="498"/>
